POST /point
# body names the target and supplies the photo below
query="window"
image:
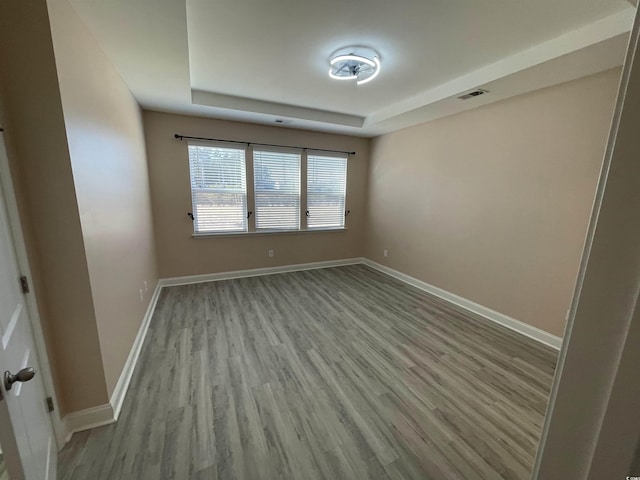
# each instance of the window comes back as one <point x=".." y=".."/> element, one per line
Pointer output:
<point x="326" y="188"/>
<point x="218" y="189"/>
<point x="277" y="190"/>
<point x="230" y="197"/>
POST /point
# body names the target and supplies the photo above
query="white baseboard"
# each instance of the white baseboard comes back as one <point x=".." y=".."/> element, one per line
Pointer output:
<point x="108" y="413"/>
<point x="504" y="320"/>
<point x="89" y="418"/>
<point x="497" y="317"/>
<point x="120" y="390"/>
<point x="212" y="277"/>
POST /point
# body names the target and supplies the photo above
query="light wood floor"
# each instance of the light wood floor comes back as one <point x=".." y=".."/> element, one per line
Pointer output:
<point x="340" y="373"/>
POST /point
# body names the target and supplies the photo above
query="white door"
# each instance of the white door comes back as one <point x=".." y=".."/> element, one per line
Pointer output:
<point x="26" y="433"/>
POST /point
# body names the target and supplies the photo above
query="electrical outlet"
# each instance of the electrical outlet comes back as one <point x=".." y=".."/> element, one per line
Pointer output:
<point x="270" y="253"/>
<point x="386" y="253"/>
<point x="141" y="295"/>
<point x="146" y="287"/>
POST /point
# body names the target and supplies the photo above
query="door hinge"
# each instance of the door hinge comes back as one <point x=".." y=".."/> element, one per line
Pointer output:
<point x="50" y="406"/>
<point x="24" y="283"/>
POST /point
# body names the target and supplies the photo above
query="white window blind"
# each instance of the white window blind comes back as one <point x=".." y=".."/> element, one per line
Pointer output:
<point x="326" y="189"/>
<point x="218" y="189"/>
<point x="277" y="190"/>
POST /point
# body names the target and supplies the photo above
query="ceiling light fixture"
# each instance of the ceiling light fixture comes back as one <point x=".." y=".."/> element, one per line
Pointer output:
<point x="355" y="63"/>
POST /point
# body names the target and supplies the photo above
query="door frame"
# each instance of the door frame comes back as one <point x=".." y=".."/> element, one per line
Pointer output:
<point x="592" y="425"/>
<point x="15" y="226"/>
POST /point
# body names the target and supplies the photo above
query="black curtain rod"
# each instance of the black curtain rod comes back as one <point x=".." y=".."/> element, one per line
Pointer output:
<point x="182" y="137"/>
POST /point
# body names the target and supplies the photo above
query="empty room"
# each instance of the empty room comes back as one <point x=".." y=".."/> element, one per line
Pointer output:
<point x="319" y="240"/>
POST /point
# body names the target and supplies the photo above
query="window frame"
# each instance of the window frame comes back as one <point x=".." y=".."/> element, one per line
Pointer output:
<point x="194" y="209"/>
<point x="335" y="155"/>
<point x="250" y="191"/>
<point x="292" y="151"/>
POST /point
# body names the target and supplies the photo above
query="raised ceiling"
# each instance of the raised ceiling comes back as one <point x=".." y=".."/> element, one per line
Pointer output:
<point x="258" y="61"/>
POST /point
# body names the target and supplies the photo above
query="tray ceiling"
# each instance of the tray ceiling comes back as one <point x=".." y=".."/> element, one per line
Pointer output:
<point x="259" y="61"/>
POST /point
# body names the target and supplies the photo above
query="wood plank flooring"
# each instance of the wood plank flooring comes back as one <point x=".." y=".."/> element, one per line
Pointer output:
<point x="339" y="373"/>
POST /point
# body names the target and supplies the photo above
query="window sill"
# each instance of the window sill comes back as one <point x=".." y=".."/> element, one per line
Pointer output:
<point x="268" y="232"/>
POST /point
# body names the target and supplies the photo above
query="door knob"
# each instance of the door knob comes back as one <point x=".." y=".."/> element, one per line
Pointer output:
<point x="23" y="375"/>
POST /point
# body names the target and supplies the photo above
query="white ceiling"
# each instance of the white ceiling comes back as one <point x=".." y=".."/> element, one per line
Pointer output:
<point x="258" y="60"/>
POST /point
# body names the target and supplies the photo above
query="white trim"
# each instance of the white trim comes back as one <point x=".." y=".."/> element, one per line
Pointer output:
<point x="120" y="390"/>
<point x="106" y="414"/>
<point x="88" y="418"/>
<point x="497" y="317"/>
<point x="49" y="467"/>
<point x="212" y="277"/>
<point x="30" y="299"/>
<point x="268" y="232"/>
<point x="568" y="380"/>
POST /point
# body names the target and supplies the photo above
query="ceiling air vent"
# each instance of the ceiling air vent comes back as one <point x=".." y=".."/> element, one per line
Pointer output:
<point x="475" y="93"/>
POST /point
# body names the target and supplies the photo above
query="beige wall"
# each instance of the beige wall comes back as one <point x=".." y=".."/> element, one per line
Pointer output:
<point x="106" y="143"/>
<point x="493" y="204"/>
<point x="41" y="169"/>
<point x="179" y="254"/>
<point x="76" y="146"/>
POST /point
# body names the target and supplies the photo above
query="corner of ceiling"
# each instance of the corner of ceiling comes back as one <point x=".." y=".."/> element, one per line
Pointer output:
<point x="585" y="51"/>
